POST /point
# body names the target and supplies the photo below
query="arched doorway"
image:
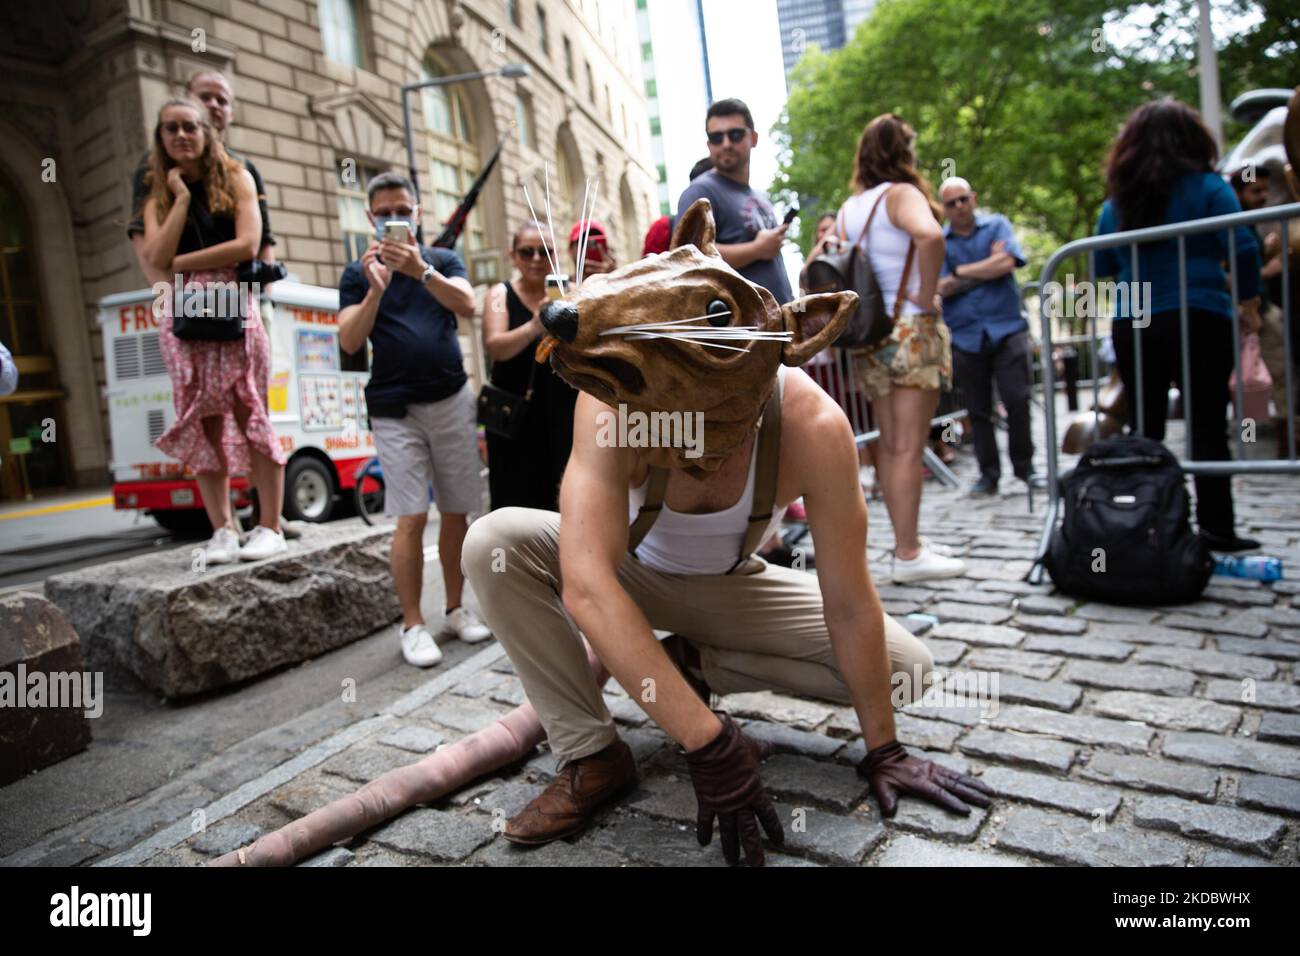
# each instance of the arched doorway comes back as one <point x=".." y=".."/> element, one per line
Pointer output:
<point x="33" y="458"/>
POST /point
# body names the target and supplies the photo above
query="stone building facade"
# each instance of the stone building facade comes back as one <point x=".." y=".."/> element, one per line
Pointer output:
<point x="317" y="89"/>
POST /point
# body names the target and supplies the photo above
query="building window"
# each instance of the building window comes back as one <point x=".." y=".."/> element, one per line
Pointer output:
<point x="524" y="120"/>
<point x="647" y="51"/>
<point x="568" y="58"/>
<point x="515" y="16"/>
<point x="622" y="109"/>
<point x="600" y="174"/>
<point x="453" y="160"/>
<point x="609" y="105"/>
<point x="542" y="36"/>
<point x="651" y="90"/>
<point x="338" y="30"/>
<point x="356" y="228"/>
<point x="663" y="173"/>
<point x="655" y="128"/>
<point x="591" y="85"/>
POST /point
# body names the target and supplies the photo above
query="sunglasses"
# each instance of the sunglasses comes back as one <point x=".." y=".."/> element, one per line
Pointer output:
<point x="735" y="134"/>
<point x="189" y="127"/>
<point x="401" y="212"/>
<point x="529" y="252"/>
<point x="956" y="200"/>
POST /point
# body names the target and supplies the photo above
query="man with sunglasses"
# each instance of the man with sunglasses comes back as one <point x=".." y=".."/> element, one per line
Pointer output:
<point x="212" y="89"/>
<point x="990" y="339"/>
<point x="749" y="234"/>
<point x="404" y="298"/>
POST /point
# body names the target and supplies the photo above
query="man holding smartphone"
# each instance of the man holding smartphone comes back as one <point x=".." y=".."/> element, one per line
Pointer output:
<point x="600" y="258"/>
<point x="749" y="236"/>
<point x="405" y="299"/>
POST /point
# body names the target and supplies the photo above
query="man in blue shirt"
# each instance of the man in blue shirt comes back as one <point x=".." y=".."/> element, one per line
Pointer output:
<point x="990" y="339"/>
<point x="405" y="299"/>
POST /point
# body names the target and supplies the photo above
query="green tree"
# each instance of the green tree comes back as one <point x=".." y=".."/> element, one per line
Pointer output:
<point x="1023" y="100"/>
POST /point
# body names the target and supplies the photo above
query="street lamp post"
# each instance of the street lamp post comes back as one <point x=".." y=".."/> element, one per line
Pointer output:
<point x="509" y="70"/>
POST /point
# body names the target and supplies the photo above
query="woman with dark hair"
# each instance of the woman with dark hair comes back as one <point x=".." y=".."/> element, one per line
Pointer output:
<point x="893" y="215"/>
<point x="200" y="221"/>
<point x="526" y="471"/>
<point x="1161" y="170"/>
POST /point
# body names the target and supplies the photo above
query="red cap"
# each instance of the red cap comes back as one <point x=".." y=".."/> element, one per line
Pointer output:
<point x="596" y="230"/>
<point x="658" y="237"/>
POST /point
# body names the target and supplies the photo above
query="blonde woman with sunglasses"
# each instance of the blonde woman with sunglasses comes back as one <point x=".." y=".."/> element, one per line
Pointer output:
<point x="525" y="471"/>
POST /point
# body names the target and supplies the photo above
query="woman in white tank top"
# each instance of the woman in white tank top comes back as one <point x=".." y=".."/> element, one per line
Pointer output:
<point x="891" y="214"/>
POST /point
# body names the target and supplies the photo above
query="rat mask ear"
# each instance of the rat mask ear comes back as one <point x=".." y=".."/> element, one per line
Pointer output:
<point x="817" y="321"/>
<point x="696" y="228"/>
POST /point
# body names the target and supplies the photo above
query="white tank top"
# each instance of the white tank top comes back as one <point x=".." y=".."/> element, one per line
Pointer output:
<point x="887" y="244"/>
<point x="709" y="543"/>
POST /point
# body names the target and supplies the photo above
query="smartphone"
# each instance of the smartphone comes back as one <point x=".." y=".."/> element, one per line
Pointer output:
<point x="789" y="216"/>
<point x="399" y="230"/>
<point x="595" y="249"/>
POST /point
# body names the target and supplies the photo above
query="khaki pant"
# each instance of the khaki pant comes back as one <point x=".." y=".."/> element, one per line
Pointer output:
<point x="761" y="628"/>
<point x="1272" y="349"/>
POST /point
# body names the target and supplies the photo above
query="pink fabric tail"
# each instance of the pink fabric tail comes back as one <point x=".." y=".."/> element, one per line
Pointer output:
<point x="497" y="745"/>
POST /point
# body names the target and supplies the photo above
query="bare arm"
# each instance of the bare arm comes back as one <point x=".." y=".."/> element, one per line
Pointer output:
<point x="152" y="275"/>
<point x="248" y="234"/>
<point x="764" y="246"/>
<point x="158" y="248"/>
<point x="499" y="340"/>
<point x="593" y="509"/>
<point x="909" y="210"/>
<point x="820" y="441"/>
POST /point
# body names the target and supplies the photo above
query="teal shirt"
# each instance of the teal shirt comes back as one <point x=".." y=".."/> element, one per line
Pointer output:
<point x="1195" y="196"/>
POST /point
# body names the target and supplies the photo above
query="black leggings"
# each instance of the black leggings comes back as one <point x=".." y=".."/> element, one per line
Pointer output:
<point x="1210" y="361"/>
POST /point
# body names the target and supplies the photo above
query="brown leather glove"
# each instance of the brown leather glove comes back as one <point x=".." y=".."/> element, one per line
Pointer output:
<point x="891" y="771"/>
<point x="727" y="785"/>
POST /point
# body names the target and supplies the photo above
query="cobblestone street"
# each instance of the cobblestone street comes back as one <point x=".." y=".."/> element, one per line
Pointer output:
<point x="1120" y="736"/>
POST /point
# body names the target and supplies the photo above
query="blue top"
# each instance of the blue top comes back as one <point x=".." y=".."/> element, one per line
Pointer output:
<point x="1195" y="196"/>
<point x="738" y="214"/>
<point x="991" y="309"/>
<point x="417" y="356"/>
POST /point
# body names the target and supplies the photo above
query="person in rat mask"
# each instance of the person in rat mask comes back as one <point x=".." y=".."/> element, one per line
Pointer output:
<point x="661" y="535"/>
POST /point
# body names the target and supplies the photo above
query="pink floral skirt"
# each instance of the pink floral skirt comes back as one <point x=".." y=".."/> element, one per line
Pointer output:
<point x="209" y="380"/>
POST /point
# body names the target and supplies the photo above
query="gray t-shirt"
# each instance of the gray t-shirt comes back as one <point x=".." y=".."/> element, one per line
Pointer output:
<point x="738" y="214"/>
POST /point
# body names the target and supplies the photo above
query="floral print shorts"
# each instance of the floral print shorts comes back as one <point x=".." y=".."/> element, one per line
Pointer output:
<point x="917" y="354"/>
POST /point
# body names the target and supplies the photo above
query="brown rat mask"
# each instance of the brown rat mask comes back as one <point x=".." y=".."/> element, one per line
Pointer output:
<point x="673" y="374"/>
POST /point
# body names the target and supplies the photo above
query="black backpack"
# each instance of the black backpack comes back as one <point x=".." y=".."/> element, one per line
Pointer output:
<point x="1125" y="537"/>
<point x="849" y="268"/>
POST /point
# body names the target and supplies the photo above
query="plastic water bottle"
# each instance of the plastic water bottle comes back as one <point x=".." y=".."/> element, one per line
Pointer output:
<point x="1258" y="567"/>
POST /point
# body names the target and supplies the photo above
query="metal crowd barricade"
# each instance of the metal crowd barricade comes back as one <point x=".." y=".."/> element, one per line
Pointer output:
<point x="1133" y="238"/>
<point x="836" y="377"/>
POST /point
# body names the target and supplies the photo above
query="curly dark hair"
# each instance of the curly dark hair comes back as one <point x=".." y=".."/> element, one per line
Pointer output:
<point x="1161" y="141"/>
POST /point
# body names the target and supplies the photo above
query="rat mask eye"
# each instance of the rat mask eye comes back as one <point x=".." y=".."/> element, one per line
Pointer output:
<point x="718" y="313"/>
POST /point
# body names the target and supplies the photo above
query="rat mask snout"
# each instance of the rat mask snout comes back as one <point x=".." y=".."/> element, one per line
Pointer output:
<point x="560" y="319"/>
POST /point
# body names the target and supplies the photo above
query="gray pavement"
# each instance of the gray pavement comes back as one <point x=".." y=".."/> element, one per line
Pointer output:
<point x="1121" y="736"/>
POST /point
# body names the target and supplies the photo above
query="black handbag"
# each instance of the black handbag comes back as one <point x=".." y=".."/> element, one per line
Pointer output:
<point x="503" y="413"/>
<point x="214" y="312"/>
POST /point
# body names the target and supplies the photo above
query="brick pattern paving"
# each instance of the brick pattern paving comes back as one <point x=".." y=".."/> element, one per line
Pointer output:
<point x="1120" y="736"/>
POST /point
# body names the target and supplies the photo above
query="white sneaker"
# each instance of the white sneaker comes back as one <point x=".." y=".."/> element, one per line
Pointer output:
<point x="942" y="550"/>
<point x="927" y="565"/>
<point x="465" y="624"/>
<point x="222" y="547"/>
<point x="419" y="648"/>
<point x="263" y="543"/>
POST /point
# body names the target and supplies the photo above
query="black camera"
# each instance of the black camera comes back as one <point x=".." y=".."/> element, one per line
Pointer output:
<point x="263" y="273"/>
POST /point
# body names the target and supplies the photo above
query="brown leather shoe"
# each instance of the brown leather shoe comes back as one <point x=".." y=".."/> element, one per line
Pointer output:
<point x="566" y="806"/>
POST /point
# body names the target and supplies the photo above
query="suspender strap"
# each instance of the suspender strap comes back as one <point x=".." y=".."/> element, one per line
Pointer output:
<point x="654" y="501"/>
<point x="769" y="456"/>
